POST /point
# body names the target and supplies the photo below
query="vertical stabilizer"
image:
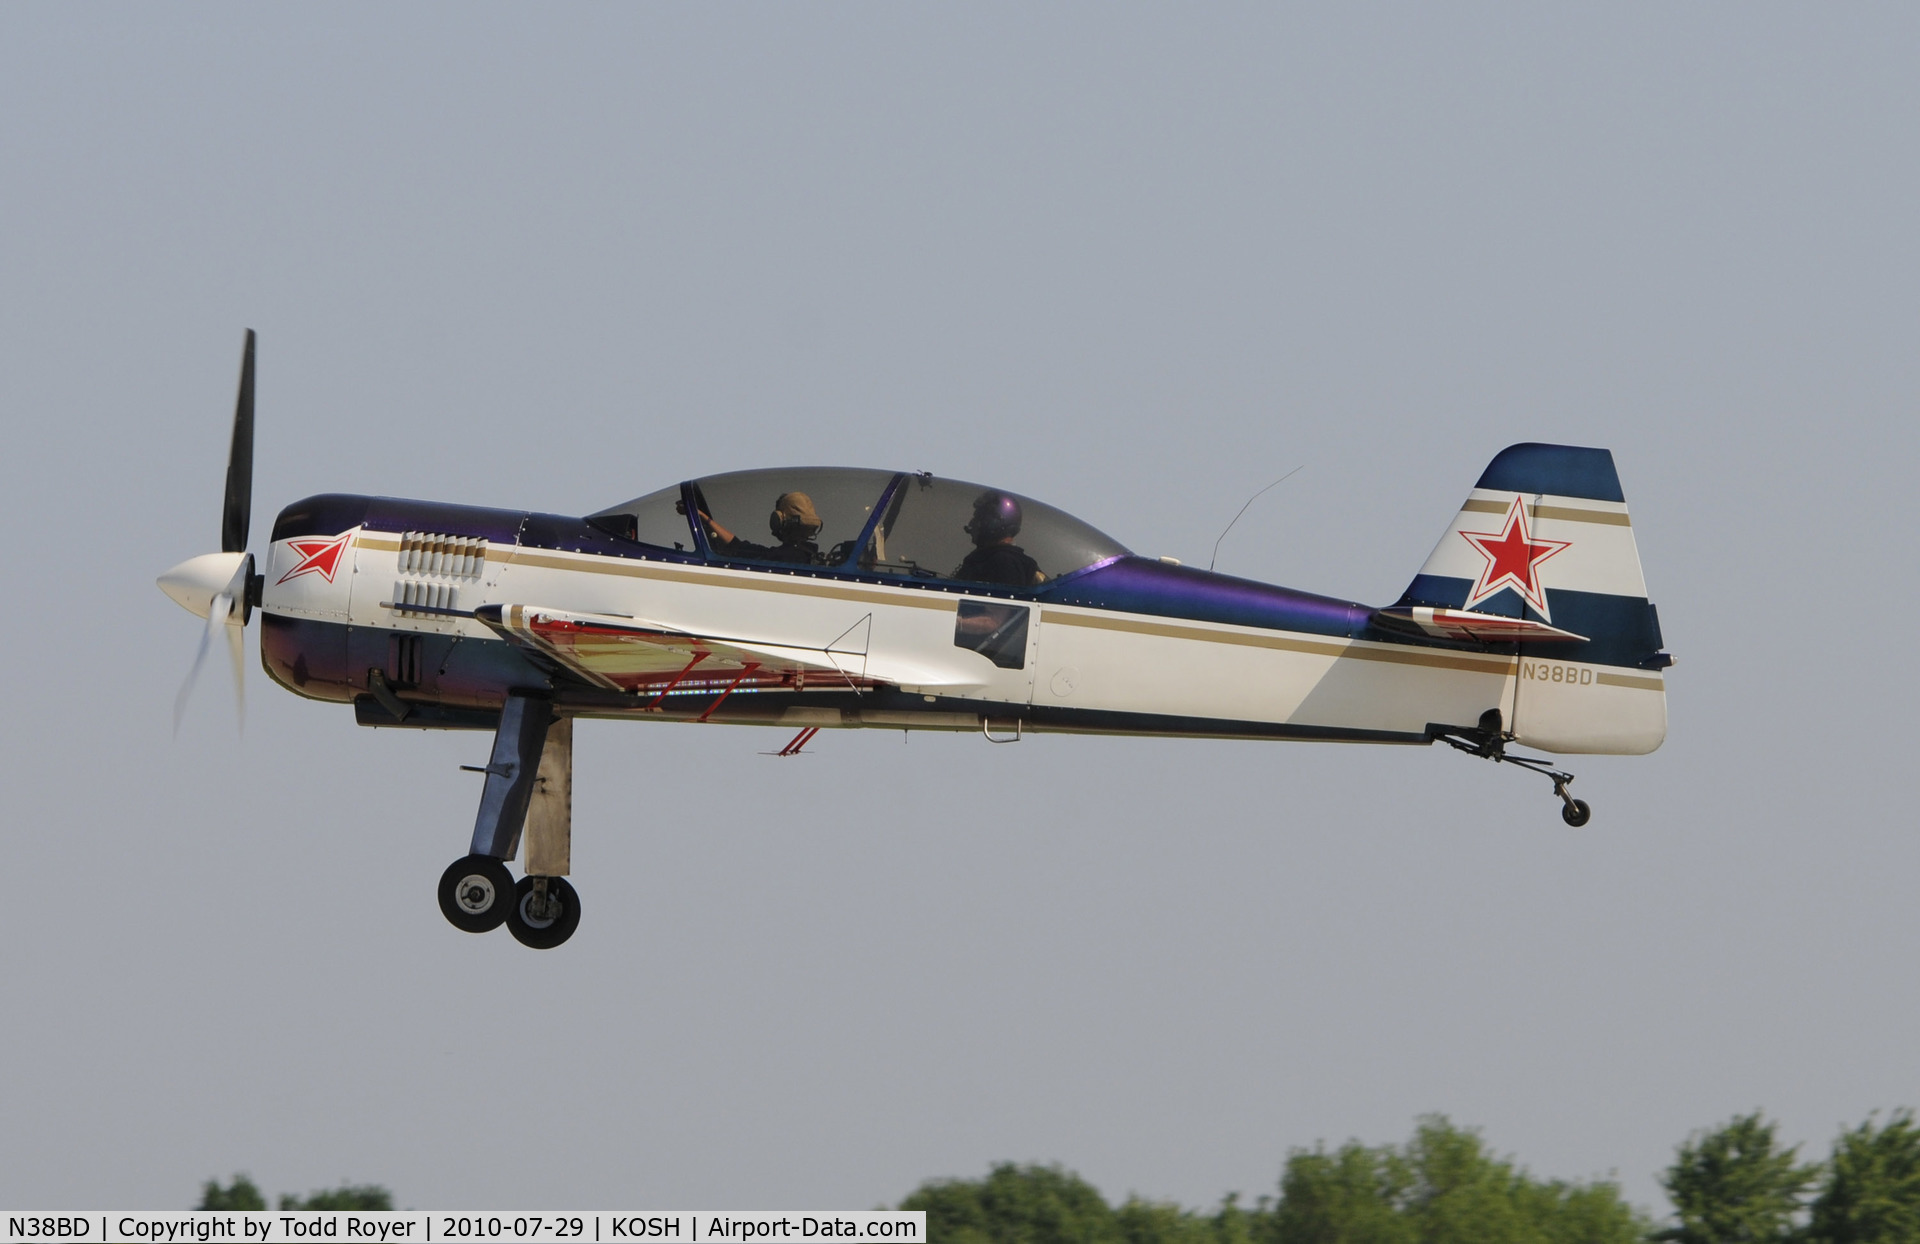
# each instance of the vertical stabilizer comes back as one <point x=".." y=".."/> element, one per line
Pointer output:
<point x="1544" y="536"/>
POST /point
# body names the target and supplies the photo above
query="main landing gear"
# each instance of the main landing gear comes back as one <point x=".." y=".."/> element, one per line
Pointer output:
<point x="1488" y="740"/>
<point x="530" y="785"/>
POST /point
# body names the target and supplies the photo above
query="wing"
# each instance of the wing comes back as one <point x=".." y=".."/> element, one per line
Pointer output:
<point x="630" y="654"/>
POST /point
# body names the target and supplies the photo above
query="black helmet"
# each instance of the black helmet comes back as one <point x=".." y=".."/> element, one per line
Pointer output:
<point x="996" y="515"/>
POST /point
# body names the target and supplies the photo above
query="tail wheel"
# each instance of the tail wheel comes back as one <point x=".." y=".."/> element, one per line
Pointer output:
<point x="1576" y="813"/>
<point x="476" y="893"/>
<point x="543" y="923"/>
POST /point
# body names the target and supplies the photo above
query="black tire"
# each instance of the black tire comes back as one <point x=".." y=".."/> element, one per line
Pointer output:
<point x="548" y="933"/>
<point x="476" y="893"/>
<point x="1576" y="813"/>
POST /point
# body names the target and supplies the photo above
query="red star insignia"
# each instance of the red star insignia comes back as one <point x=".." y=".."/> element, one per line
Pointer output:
<point x="321" y="557"/>
<point x="1513" y="560"/>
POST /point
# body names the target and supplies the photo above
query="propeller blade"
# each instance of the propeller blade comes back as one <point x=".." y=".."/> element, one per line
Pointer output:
<point x="212" y="583"/>
<point x="217" y="612"/>
<point x="238" y="513"/>
<point x="221" y="614"/>
<point x="236" y="643"/>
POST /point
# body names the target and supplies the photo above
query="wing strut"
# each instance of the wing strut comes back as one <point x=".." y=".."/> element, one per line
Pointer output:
<point x="697" y="658"/>
<point x="794" y="744"/>
<point x="722" y="698"/>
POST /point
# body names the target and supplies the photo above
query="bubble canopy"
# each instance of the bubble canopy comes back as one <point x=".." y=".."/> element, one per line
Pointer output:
<point x="865" y="522"/>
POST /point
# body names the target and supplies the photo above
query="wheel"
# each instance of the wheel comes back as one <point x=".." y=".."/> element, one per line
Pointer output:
<point x="475" y="893"/>
<point x="543" y="931"/>
<point x="1576" y="813"/>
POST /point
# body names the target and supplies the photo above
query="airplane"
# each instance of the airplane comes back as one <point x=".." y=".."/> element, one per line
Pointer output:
<point x="907" y="601"/>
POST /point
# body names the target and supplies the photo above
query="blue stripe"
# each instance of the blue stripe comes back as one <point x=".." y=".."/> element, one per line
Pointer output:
<point x="1563" y="470"/>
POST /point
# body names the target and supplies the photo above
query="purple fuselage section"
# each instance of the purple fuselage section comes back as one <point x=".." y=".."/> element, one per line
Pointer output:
<point x="1159" y="589"/>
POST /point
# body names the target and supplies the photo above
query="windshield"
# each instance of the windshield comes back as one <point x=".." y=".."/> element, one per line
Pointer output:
<point x="953" y="530"/>
<point x="658" y="518"/>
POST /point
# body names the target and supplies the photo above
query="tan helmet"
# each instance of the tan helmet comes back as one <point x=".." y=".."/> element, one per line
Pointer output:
<point x="794" y="517"/>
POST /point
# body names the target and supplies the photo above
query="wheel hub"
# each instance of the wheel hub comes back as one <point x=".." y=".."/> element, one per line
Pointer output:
<point x="474" y="894"/>
<point x="540" y="910"/>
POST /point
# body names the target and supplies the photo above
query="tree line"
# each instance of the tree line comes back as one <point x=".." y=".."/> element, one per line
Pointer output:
<point x="242" y="1193"/>
<point x="1733" y="1184"/>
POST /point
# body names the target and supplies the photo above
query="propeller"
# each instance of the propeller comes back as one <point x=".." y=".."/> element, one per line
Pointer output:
<point x="239" y="508"/>
<point x="215" y="586"/>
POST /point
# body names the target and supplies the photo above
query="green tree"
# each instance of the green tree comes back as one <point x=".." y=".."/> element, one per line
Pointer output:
<point x="1735" y="1185"/>
<point x="1048" y="1205"/>
<point x="1871" y="1190"/>
<point x="346" y="1196"/>
<point x="1463" y="1194"/>
<point x="1232" y="1225"/>
<point x="1016" y="1205"/>
<point x="1442" y="1187"/>
<point x="1160" y="1222"/>
<point x="240" y="1194"/>
<point x="1355" y="1195"/>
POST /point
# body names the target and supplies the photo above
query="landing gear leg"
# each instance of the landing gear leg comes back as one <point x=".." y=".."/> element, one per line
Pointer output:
<point x="546" y="910"/>
<point x="1488" y="740"/>
<point x="477" y="893"/>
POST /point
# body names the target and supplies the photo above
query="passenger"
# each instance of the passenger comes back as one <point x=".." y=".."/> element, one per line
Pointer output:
<point x="995" y="557"/>
<point x="793" y="522"/>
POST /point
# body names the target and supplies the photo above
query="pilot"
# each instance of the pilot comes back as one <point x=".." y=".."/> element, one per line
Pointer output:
<point x="995" y="557"/>
<point x="794" y="523"/>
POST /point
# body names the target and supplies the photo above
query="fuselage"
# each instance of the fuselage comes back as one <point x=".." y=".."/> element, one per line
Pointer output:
<point x="371" y="600"/>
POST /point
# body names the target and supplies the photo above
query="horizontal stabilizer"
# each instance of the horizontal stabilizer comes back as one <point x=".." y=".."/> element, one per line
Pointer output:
<point x="1485" y="628"/>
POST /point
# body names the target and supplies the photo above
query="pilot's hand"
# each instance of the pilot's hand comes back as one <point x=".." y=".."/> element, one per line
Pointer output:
<point x="715" y="532"/>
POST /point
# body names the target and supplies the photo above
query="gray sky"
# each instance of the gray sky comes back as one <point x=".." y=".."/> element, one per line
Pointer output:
<point x="1135" y="261"/>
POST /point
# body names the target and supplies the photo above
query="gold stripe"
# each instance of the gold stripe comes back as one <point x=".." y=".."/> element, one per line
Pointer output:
<point x="716" y="577"/>
<point x="1320" y="648"/>
<point x="1629" y="680"/>
<point x="387" y="544"/>
<point x="1606" y="518"/>
<point x="1338" y="650"/>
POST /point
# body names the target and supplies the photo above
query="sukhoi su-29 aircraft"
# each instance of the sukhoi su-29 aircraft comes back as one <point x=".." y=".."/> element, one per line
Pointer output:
<point x="838" y="597"/>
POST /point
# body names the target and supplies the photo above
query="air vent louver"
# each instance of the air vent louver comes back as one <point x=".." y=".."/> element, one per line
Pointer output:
<point x="429" y="555"/>
<point x="433" y="567"/>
